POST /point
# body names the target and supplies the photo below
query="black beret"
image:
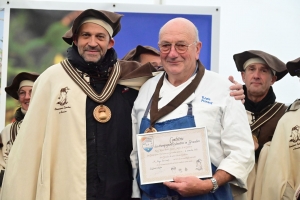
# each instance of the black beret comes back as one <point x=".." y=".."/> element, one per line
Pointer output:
<point x="12" y="90"/>
<point x="113" y="19"/>
<point x="294" y="67"/>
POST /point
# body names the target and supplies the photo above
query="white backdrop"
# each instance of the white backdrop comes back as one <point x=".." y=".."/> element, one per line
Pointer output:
<point x="269" y="25"/>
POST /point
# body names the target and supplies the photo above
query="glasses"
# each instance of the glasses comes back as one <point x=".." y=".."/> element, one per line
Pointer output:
<point x="179" y="47"/>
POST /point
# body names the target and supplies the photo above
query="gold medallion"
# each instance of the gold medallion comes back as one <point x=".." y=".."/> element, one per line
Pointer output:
<point x="150" y="130"/>
<point x="102" y="113"/>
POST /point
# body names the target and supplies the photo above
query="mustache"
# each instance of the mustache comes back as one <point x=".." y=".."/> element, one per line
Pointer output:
<point x="92" y="48"/>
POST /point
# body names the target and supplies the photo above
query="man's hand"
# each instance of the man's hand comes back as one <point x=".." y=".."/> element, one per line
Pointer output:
<point x="190" y="186"/>
<point x="256" y="145"/>
<point x="237" y="90"/>
<point x="255" y="140"/>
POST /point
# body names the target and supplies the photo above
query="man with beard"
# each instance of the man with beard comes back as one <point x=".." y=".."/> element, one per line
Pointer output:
<point x="76" y="141"/>
<point x="259" y="71"/>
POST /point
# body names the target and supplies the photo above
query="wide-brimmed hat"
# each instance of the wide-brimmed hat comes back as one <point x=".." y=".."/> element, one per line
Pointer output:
<point x="273" y="62"/>
<point x="134" y="74"/>
<point x="294" y="67"/>
<point x="136" y="52"/>
<point x="13" y="89"/>
<point x="108" y="18"/>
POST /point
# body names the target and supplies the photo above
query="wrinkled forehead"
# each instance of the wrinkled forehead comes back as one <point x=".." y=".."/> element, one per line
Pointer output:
<point x="176" y="37"/>
<point x="92" y="28"/>
<point x="258" y="65"/>
<point x="25" y="88"/>
<point x="101" y="23"/>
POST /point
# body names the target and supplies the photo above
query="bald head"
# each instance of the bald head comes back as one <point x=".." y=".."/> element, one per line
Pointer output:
<point x="179" y="49"/>
<point x="185" y="25"/>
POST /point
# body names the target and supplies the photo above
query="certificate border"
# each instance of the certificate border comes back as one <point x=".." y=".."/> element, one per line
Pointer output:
<point x="207" y="172"/>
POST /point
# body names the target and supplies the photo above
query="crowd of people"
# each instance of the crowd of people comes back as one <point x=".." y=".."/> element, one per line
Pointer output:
<point x="78" y="140"/>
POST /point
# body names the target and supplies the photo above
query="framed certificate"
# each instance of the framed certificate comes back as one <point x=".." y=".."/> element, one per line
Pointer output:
<point x="164" y="155"/>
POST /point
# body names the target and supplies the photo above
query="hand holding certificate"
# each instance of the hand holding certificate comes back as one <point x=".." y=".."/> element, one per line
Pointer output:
<point x="164" y="155"/>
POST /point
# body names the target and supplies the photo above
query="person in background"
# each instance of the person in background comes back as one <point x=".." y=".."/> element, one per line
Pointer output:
<point x="143" y="54"/>
<point x="280" y="175"/>
<point x="259" y="71"/>
<point x="75" y="141"/>
<point x="200" y="98"/>
<point x="20" y="89"/>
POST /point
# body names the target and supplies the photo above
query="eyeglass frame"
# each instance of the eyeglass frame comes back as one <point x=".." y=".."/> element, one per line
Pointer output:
<point x="170" y="47"/>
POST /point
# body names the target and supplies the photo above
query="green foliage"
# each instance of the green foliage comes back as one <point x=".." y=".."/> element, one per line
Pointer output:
<point x="32" y="49"/>
<point x="11" y="103"/>
<point x="30" y="53"/>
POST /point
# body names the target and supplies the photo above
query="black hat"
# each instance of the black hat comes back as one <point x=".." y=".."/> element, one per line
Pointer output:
<point x="13" y="89"/>
<point x="294" y="67"/>
<point x="273" y="62"/>
<point x="110" y="20"/>
<point x="136" y="52"/>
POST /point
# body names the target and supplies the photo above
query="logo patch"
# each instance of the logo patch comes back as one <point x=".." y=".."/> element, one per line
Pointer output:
<point x="295" y="134"/>
<point x="63" y="100"/>
<point x="295" y="137"/>
<point x="206" y="100"/>
<point x="148" y="143"/>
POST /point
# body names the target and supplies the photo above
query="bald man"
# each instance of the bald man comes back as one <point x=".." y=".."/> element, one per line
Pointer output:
<point x="205" y="102"/>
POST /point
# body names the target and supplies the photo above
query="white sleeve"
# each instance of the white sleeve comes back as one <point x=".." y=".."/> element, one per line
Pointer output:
<point x="237" y="142"/>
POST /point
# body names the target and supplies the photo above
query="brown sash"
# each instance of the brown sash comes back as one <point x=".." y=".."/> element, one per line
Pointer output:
<point x="156" y="114"/>
<point x="266" y="116"/>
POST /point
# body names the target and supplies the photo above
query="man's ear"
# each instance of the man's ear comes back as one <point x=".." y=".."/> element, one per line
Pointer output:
<point x="111" y="43"/>
<point x="198" y="49"/>
<point x="75" y="41"/>
<point x="274" y="78"/>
